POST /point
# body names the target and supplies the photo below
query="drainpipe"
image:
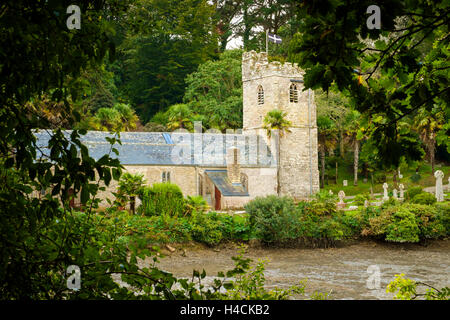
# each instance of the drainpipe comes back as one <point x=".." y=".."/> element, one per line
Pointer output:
<point x="310" y="147"/>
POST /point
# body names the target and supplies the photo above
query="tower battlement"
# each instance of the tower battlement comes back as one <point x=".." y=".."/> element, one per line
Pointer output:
<point x="256" y="65"/>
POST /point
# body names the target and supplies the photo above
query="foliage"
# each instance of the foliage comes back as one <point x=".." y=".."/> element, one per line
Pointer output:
<point x="179" y="117"/>
<point x="164" y="199"/>
<point x="415" y="177"/>
<point x="406" y="289"/>
<point x="424" y="198"/>
<point x="206" y="228"/>
<point x="195" y="204"/>
<point x="215" y="91"/>
<point x="405" y="223"/>
<point x="272" y="218"/>
<point x="413" y="191"/>
<point x="120" y="117"/>
<point x="130" y="186"/>
<point x="276" y="120"/>
<point x="404" y="65"/>
<point x="164" y="41"/>
<point x="154" y="127"/>
<point x="360" y="199"/>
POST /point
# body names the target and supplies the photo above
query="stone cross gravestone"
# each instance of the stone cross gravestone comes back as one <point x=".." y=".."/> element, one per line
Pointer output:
<point x="385" y="191"/>
<point x="402" y="191"/>
<point x="341" y="203"/>
<point x="439" y="175"/>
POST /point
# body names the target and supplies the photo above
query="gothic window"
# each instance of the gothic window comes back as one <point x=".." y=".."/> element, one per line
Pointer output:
<point x="293" y="93"/>
<point x="165" y="176"/>
<point x="260" y="95"/>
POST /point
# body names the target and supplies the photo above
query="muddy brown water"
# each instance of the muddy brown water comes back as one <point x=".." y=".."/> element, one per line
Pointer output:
<point x="342" y="270"/>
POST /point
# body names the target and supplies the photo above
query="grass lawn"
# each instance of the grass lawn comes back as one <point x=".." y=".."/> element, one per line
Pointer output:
<point x="346" y="173"/>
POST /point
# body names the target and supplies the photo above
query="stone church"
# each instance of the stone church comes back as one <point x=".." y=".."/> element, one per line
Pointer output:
<point x="230" y="169"/>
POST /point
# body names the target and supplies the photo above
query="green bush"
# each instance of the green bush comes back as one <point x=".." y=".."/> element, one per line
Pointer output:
<point x="206" y="228"/>
<point x="415" y="177"/>
<point x="428" y="221"/>
<point x="162" y="199"/>
<point x="424" y="198"/>
<point x="406" y="223"/>
<point x="361" y="198"/>
<point x="379" y="177"/>
<point x="413" y="191"/>
<point x="195" y="204"/>
<point x="272" y="218"/>
<point x="403" y="227"/>
<point x="443" y="215"/>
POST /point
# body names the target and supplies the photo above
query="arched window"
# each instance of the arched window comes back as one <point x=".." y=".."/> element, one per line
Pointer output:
<point x="293" y="93"/>
<point x="260" y="95"/>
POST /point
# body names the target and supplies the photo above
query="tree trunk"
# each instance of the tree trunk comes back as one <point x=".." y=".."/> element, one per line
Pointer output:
<point x="395" y="178"/>
<point x="355" y="163"/>
<point x="341" y="142"/>
<point x="336" y="172"/>
<point x="431" y="150"/>
<point x="132" y="204"/>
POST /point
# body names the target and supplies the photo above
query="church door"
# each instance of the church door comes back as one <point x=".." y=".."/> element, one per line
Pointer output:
<point x="217" y="199"/>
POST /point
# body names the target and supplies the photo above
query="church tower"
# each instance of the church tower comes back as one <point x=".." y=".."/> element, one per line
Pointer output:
<point x="268" y="86"/>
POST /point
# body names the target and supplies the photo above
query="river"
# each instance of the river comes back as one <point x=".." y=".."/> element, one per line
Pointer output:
<point x="343" y="270"/>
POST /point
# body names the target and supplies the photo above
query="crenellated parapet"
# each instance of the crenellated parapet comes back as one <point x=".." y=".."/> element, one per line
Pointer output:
<point x="256" y="65"/>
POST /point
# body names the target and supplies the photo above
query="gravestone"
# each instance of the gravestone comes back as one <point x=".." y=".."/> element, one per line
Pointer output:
<point x="366" y="203"/>
<point x="345" y="183"/>
<point x="341" y="203"/>
<point x="385" y="191"/>
<point x="395" y="194"/>
<point x="448" y="187"/>
<point x="402" y="191"/>
<point x="365" y="180"/>
<point x="439" y="175"/>
<point x="330" y="192"/>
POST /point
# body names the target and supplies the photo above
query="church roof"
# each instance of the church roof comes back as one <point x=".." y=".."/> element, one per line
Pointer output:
<point x="226" y="188"/>
<point x="161" y="148"/>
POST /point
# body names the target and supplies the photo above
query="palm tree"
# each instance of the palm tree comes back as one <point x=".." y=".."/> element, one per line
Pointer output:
<point x="179" y="116"/>
<point x="327" y="139"/>
<point x="353" y="138"/>
<point x="275" y="120"/>
<point x="427" y="125"/>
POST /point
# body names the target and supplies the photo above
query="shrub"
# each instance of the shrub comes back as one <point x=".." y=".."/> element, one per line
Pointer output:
<point x="130" y="185"/>
<point x="428" y="221"/>
<point x="361" y="198"/>
<point x="379" y="177"/>
<point x="162" y="199"/>
<point x="415" y="177"/>
<point x="205" y="228"/>
<point x="272" y="218"/>
<point x="413" y="191"/>
<point x="403" y="228"/>
<point x="443" y="215"/>
<point x="195" y="204"/>
<point x="424" y="198"/>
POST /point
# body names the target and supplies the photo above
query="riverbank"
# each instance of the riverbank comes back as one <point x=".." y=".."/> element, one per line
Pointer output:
<point x="343" y="269"/>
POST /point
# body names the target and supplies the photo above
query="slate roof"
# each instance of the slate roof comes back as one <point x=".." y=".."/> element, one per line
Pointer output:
<point x="226" y="188"/>
<point x="157" y="148"/>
